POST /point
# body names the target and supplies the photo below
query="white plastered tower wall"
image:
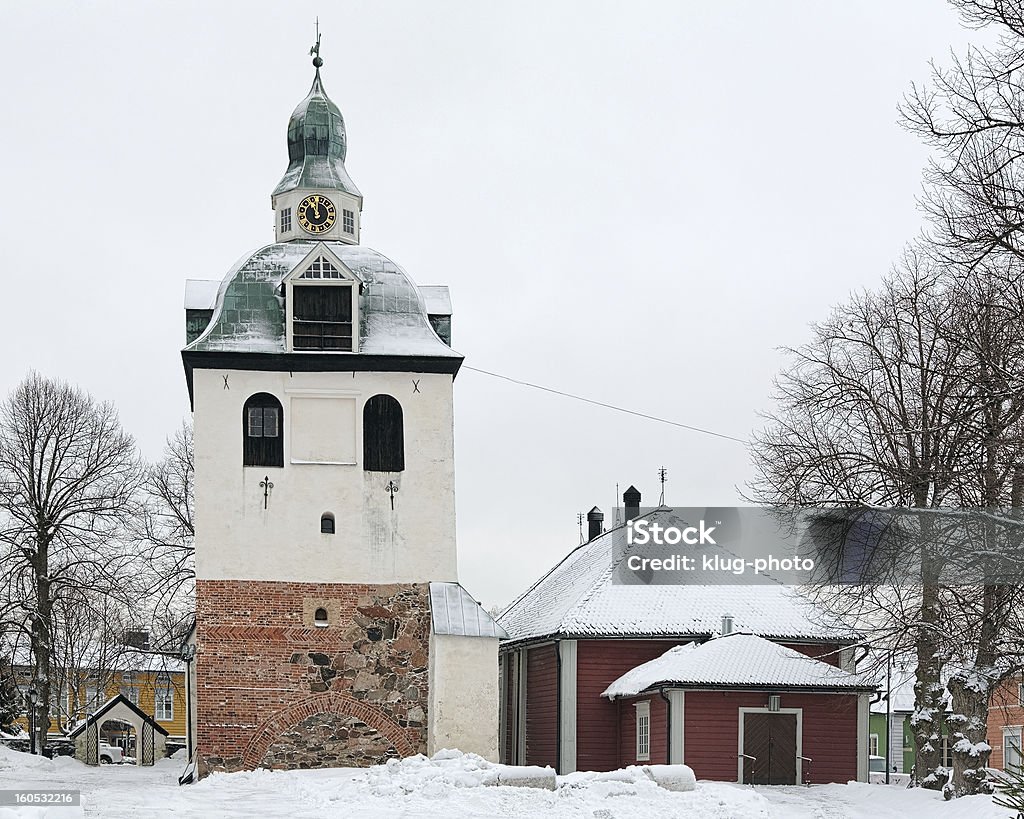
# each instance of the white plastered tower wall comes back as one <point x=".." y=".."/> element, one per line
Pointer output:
<point x="241" y="540"/>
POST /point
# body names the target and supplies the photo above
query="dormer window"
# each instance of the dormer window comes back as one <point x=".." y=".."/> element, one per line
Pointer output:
<point x="286" y="220"/>
<point x="323" y="308"/>
<point x="348" y="221"/>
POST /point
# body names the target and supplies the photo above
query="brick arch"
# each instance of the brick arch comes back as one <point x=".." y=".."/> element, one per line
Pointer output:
<point x="328" y="702"/>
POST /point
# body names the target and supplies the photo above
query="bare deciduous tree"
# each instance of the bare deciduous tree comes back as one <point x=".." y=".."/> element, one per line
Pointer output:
<point x="972" y="113"/>
<point x="874" y="412"/>
<point x="68" y="479"/>
<point x="169" y="532"/>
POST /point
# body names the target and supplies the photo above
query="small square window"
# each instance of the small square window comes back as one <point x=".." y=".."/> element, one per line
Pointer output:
<point x="286" y="220"/>
<point x="348" y="221"/>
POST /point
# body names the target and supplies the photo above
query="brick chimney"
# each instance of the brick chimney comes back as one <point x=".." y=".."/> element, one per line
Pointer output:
<point x="595" y="523"/>
<point x="631" y="500"/>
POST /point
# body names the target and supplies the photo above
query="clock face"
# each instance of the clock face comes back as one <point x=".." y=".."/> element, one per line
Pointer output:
<point x="316" y="214"/>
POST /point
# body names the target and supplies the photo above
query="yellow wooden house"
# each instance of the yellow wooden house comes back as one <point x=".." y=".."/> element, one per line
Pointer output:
<point x="153" y="682"/>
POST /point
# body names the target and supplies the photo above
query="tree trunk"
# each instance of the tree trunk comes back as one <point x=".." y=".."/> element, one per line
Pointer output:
<point x="968" y="727"/>
<point x="42" y="648"/>
<point x="929" y="696"/>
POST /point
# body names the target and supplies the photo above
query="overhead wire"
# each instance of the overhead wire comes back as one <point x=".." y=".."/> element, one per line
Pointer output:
<point x="596" y="403"/>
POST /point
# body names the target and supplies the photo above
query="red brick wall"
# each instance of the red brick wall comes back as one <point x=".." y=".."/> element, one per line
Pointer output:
<point x="262" y="668"/>
<point x="599" y="663"/>
<point x="542" y="706"/>
<point x="711" y="732"/>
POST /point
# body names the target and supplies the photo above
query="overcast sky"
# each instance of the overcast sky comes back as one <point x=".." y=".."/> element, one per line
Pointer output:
<point x="637" y="202"/>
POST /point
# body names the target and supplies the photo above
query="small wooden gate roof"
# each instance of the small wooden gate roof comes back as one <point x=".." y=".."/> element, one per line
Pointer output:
<point x="104" y="713"/>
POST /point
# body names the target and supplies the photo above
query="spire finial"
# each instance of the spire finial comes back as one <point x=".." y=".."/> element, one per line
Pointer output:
<point x="315" y="50"/>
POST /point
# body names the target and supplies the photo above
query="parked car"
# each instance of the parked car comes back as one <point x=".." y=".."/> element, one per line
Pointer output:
<point x="110" y="754"/>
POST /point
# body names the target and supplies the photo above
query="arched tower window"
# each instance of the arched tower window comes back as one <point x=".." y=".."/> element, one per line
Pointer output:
<point x="320" y="617"/>
<point x="262" y="431"/>
<point x="383" y="435"/>
<point x="327" y="523"/>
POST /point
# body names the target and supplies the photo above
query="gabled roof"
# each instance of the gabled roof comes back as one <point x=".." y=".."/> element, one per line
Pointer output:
<point x="454" y="611"/>
<point x="105" y="709"/>
<point x="577" y="598"/>
<point x="736" y="661"/>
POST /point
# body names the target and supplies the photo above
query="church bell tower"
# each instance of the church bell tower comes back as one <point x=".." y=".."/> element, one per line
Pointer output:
<point x="331" y="629"/>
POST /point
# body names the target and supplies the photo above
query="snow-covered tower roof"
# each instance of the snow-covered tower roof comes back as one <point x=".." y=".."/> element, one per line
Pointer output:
<point x="317" y="144"/>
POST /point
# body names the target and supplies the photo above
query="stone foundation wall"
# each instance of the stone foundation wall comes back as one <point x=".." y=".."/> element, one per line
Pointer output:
<point x="275" y="689"/>
<point x="327" y="741"/>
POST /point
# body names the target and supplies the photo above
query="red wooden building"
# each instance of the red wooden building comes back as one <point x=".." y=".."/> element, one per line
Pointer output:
<point x="575" y="632"/>
<point x="740" y="707"/>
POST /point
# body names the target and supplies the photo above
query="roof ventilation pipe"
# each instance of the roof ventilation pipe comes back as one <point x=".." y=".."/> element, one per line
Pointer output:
<point x="631" y="500"/>
<point x="726" y="624"/>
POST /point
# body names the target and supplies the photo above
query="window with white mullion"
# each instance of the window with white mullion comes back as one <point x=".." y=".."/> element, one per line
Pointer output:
<point x="643" y="730"/>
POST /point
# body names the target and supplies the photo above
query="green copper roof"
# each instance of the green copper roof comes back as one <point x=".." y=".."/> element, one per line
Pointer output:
<point x="317" y="145"/>
<point x="249" y="314"/>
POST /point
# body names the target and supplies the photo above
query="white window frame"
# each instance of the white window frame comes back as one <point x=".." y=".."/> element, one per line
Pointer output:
<point x="873" y="745"/>
<point x="348" y="221"/>
<point x="163" y="703"/>
<point x="643" y="730"/>
<point x="286" y="220"/>
<point x="1013" y="733"/>
<point x="349" y="279"/>
<point x="1020" y="693"/>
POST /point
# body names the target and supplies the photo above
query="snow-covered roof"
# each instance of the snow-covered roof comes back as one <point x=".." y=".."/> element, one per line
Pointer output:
<point x="249" y="312"/>
<point x="112" y="659"/>
<point x="437" y="299"/>
<point x="201" y="294"/>
<point x="577" y="598"/>
<point x="105" y="708"/>
<point x="743" y="660"/>
<point x="454" y="611"/>
<point x="317" y="145"/>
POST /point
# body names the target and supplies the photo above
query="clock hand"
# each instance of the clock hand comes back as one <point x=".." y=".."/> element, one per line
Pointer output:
<point x="316" y="206"/>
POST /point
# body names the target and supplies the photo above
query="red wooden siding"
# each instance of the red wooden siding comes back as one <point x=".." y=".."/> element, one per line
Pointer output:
<point x="598" y="664"/>
<point x="711" y="729"/>
<point x="542" y="706"/>
<point x="659" y="731"/>
<point x="508" y="749"/>
<point x="1004" y="710"/>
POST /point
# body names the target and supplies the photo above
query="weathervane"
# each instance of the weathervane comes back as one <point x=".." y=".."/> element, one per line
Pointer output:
<point x="662" y="476"/>
<point x="579" y="520"/>
<point x="315" y="50"/>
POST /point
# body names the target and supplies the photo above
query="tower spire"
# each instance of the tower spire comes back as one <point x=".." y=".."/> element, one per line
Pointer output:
<point x="315" y="50"/>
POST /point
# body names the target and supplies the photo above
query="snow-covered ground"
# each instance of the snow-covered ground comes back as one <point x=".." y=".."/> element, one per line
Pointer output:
<point x="451" y="788"/>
